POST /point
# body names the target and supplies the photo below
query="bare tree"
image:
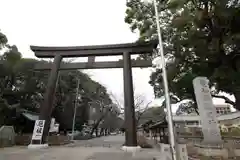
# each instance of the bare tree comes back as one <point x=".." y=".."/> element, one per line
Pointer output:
<point x="141" y="104"/>
<point x="140" y="113"/>
<point x="117" y="101"/>
<point x="100" y="112"/>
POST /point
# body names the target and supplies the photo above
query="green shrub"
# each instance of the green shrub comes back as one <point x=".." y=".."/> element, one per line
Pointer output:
<point x="232" y="132"/>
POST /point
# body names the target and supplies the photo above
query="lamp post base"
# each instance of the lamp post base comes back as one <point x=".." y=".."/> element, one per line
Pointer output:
<point x="37" y="146"/>
<point x="132" y="149"/>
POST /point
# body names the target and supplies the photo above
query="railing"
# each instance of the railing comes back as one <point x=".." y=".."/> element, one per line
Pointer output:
<point x="201" y="137"/>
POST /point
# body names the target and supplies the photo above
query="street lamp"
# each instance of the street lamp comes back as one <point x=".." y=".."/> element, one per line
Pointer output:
<point x="165" y="82"/>
<point x="78" y="97"/>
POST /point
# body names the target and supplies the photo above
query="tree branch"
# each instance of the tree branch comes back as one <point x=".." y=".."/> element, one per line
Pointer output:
<point x="116" y="101"/>
<point x="142" y="112"/>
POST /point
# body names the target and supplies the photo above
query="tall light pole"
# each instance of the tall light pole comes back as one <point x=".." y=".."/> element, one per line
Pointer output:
<point x="165" y="82"/>
<point x="75" y="110"/>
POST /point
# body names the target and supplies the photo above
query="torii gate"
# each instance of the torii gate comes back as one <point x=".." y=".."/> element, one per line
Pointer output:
<point x="91" y="51"/>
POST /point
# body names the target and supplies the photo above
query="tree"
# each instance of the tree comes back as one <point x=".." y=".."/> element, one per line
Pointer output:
<point x="111" y="121"/>
<point x="22" y="89"/>
<point x="153" y="114"/>
<point x="101" y="114"/>
<point x="89" y="91"/>
<point x="3" y="40"/>
<point x="12" y="85"/>
<point x="141" y="106"/>
<point x="200" y="39"/>
<point x="187" y="107"/>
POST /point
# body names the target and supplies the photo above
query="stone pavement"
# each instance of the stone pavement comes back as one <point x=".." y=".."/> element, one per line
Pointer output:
<point x="78" y="151"/>
<point x="115" y="141"/>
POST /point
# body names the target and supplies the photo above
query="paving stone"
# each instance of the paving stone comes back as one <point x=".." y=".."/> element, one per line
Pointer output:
<point x="105" y="148"/>
<point x="110" y="155"/>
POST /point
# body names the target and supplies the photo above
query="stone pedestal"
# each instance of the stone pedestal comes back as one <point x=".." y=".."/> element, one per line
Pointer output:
<point x="131" y="149"/>
<point x="181" y="151"/>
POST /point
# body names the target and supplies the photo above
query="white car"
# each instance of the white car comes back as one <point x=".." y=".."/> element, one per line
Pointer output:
<point x="114" y="133"/>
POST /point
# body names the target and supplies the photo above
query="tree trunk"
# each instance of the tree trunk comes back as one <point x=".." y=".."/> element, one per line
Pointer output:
<point x="96" y="132"/>
<point x="101" y="132"/>
<point x="95" y="126"/>
<point x="92" y="131"/>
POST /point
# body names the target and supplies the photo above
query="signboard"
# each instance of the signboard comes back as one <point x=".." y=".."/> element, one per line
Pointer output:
<point x="38" y="130"/>
<point x="207" y="111"/>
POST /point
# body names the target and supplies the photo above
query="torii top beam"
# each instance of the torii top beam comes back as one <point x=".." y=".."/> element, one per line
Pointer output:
<point x="97" y="50"/>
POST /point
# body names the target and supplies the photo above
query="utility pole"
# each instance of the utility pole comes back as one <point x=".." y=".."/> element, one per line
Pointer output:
<point x="75" y="110"/>
<point x="165" y="82"/>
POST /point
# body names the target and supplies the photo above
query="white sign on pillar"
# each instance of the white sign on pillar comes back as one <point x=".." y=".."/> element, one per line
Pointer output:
<point x="207" y="111"/>
<point x="38" y="130"/>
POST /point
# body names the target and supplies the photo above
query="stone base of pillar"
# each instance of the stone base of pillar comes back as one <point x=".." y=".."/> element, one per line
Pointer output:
<point x="37" y="146"/>
<point x="180" y="148"/>
<point x="132" y="149"/>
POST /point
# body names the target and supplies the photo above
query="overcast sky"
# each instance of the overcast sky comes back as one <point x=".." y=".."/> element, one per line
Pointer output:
<point x="74" y="23"/>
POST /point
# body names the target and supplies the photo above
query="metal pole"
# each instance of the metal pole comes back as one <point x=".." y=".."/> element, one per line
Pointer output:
<point x="165" y="82"/>
<point x="75" y="109"/>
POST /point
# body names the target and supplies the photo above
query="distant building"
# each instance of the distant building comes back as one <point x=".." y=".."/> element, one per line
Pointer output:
<point x="222" y="109"/>
<point x="224" y="116"/>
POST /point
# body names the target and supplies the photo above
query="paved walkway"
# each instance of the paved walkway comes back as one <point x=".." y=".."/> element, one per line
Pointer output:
<point x="115" y="141"/>
<point x="80" y="150"/>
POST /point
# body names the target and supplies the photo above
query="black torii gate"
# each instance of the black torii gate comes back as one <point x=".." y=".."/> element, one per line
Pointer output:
<point x="91" y="51"/>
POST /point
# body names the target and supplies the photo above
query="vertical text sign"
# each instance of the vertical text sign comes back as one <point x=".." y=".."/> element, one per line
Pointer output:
<point x="210" y="129"/>
<point x="38" y="130"/>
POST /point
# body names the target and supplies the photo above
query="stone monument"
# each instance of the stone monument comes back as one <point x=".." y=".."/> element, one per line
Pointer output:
<point x="207" y="111"/>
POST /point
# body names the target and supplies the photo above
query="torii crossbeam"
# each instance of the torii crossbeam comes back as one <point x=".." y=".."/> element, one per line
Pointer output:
<point x="95" y="65"/>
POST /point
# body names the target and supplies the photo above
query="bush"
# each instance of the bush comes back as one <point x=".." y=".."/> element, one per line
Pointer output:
<point x="23" y="140"/>
<point x="234" y="131"/>
<point x="142" y="142"/>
